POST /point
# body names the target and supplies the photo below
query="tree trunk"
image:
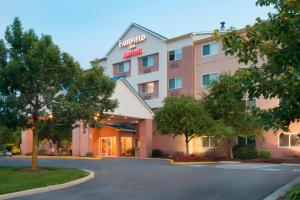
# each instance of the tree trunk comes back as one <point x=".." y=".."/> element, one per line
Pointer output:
<point x="34" y="163"/>
<point x="230" y="152"/>
<point x="58" y="142"/>
<point x="187" y="150"/>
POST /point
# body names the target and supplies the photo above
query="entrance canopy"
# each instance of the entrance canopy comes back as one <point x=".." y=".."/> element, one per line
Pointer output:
<point x="130" y="103"/>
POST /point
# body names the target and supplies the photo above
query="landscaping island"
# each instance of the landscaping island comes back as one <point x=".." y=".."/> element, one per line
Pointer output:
<point x="14" y="179"/>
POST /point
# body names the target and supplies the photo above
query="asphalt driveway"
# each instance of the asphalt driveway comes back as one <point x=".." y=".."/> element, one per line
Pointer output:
<point x="139" y="179"/>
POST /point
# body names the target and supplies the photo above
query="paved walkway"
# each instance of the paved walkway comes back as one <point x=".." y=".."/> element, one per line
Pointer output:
<point x="128" y="179"/>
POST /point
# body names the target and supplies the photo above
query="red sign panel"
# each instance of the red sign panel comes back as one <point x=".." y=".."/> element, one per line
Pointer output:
<point x="131" y="53"/>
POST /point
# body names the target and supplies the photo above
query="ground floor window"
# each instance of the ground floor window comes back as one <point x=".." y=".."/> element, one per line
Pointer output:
<point x="126" y="146"/>
<point x="289" y="139"/>
<point x="209" y="142"/>
<point x="246" y="140"/>
<point x="107" y="146"/>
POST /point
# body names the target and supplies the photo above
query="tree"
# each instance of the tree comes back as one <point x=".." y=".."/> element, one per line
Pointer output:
<point x="274" y="41"/>
<point x="183" y="115"/>
<point x="39" y="83"/>
<point x="223" y="102"/>
<point x="56" y="131"/>
<point x="10" y="136"/>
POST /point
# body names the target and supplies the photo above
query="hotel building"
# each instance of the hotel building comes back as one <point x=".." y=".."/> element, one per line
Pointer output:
<point x="149" y="67"/>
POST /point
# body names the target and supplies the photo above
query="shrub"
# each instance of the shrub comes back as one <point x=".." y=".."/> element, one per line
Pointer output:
<point x="65" y="153"/>
<point x="28" y="154"/>
<point x="89" y="154"/>
<point x="294" y="193"/>
<point x="244" y="152"/>
<point x="157" y="153"/>
<point x="264" y="154"/>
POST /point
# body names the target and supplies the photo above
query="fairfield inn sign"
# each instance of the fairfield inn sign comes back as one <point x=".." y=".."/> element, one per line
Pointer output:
<point x="131" y="44"/>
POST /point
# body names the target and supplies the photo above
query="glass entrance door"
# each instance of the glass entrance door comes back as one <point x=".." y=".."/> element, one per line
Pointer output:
<point x="106" y="146"/>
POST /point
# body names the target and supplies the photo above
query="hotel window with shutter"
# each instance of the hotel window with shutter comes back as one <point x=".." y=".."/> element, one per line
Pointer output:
<point x="148" y="61"/>
<point x="210" y="49"/>
<point x="124" y="67"/>
<point x="175" y="54"/>
<point x="148" y="87"/>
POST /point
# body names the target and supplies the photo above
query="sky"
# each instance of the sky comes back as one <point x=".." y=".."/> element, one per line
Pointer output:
<point x="88" y="28"/>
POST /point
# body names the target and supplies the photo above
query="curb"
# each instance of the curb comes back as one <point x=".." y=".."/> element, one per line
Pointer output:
<point x="49" y="188"/>
<point x="290" y="164"/>
<point x="171" y="161"/>
<point x="61" y="157"/>
<point x="191" y="163"/>
<point x="230" y="162"/>
<point x="282" y="191"/>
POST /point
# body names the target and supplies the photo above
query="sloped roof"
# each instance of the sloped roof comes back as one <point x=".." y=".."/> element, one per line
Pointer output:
<point x="135" y="93"/>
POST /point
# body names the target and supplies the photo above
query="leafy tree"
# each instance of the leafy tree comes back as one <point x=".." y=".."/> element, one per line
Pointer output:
<point x="275" y="43"/>
<point x="56" y="131"/>
<point x="39" y="83"/>
<point x="223" y="102"/>
<point x="10" y="136"/>
<point x="183" y="115"/>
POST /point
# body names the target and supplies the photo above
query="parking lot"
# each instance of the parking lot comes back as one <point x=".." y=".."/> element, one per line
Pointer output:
<point x="146" y="179"/>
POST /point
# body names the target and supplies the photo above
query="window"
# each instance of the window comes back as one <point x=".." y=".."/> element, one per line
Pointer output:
<point x="289" y="140"/>
<point x="148" y="87"/>
<point x="250" y="103"/>
<point x="207" y="79"/>
<point x="210" y="49"/>
<point x="124" y="67"/>
<point x="175" y="55"/>
<point x="209" y="142"/>
<point x="175" y="83"/>
<point x="148" y="61"/>
<point x="246" y="140"/>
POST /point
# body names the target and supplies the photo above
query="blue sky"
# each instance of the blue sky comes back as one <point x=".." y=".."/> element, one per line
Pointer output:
<point x="87" y="28"/>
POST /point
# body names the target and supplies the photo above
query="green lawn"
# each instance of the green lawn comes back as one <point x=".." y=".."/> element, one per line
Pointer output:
<point x="13" y="180"/>
<point x="294" y="193"/>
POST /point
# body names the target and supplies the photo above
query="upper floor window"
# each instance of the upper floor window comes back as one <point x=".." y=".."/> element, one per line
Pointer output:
<point x="148" y="61"/>
<point x="209" y="142"/>
<point x="210" y="49"/>
<point x="148" y="87"/>
<point x="207" y="79"/>
<point x="123" y="67"/>
<point x="175" y="55"/>
<point x="289" y="140"/>
<point x="175" y="83"/>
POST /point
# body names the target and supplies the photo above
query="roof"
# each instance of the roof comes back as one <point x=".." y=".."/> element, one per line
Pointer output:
<point x="119" y="78"/>
<point x="122" y="127"/>
<point x="139" y="27"/>
<point x="188" y="35"/>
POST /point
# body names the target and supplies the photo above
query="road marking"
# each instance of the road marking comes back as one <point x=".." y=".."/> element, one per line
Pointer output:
<point x="199" y="166"/>
<point x="296" y="170"/>
<point x="269" y="169"/>
<point x="245" y="166"/>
